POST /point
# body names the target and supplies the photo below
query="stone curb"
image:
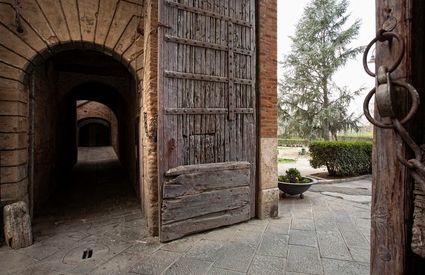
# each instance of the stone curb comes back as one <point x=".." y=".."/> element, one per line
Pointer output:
<point x="323" y="181"/>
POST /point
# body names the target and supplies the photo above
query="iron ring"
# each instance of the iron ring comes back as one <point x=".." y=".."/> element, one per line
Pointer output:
<point x="369" y="117"/>
<point x="413" y="109"/>
<point x="384" y="36"/>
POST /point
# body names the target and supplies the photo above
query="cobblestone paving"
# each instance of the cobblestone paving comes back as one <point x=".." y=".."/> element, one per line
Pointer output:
<point x="316" y="235"/>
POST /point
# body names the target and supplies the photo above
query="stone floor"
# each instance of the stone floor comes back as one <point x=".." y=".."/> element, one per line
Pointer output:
<point x="320" y="234"/>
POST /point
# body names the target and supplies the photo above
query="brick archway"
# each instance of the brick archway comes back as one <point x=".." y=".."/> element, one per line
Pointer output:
<point x="35" y="31"/>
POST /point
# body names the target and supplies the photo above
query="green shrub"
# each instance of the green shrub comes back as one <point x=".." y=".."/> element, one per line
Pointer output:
<point x="355" y="138"/>
<point x="293" y="142"/>
<point x="342" y="158"/>
<point x="293" y="175"/>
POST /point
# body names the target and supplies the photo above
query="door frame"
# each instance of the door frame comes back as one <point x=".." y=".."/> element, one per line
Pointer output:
<point x="392" y="186"/>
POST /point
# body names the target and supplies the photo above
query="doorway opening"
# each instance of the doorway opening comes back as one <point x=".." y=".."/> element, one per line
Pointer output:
<point x="82" y="117"/>
<point x="94" y="132"/>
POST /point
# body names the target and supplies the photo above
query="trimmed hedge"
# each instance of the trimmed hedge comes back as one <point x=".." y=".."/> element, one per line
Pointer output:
<point x="355" y="138"/>
<point x="292" y="142"/>
<point x="342" y="158"/>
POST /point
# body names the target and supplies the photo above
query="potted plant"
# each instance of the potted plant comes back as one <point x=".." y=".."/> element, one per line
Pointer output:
<point x="292" y="183"/>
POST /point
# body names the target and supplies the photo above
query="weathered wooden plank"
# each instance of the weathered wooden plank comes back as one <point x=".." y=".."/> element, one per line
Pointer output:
<point x="251" y="126"/>
<point x="207" y="45"/>
<point x="205" y="77"/>
<point x="191" y="206"/>
<point x="389" y="235"/>
<point x="200" y="11"/>
<point x="195" y="183"/>
<point x="206" y="111"/>
<point x="418" y="230"/>
<point x="179" y="229"/>
<point x="195" y="96"/>
<point x="208" y="167"/>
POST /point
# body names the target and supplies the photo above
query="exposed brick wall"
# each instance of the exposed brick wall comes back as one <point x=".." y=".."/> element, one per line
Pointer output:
<point x="267" y="67"/>
<point x="267" y="192"/>
<point x="150" y="115"/>
<point x="44" y="136"/>
<point x="93" y="109"/>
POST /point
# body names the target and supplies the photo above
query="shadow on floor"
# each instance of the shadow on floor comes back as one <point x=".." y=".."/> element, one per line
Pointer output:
<point x="97" y="188"/>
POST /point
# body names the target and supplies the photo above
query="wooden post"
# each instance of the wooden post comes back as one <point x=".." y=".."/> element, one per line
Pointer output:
<point x="391" y="186"/>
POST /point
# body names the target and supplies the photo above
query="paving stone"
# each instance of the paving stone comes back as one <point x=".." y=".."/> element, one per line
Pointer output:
<point x="337" y="267"/>
<point x="220" y="271"/>
<point x="253" y="225"/>
<point x="181" y="245"/>
<point x="55" y="262"/>
<point x="62" y="240"/>
<point x="302" y="224"/>
<point x="332" y="245"/>
<point x="353" y="198"/>
<point x="360" y="255"/>
<point x="144" y="247"/>
<point x="114" y="245"/>
<point x="205" y="250"/>
<point x="278" y="227"/>
<point x="366" y="235"/>
<point x="221" y="234"/>
<point x="253" y="238"/>
<point x="119" y="264"/>
<point x="267" y="265"/>
<point x="304" y="213"/>
<point x="353" y="237"/>
<point x="155" y="263"/>
<point x="34" y="269"/>
<point x="235" y="256"/>
<point x="128" y="234"/>
<point x="274" y="245"/>
<point x="295" y="273"/>
<point x="301" y="237"/>
<point x="13" y="261"/>
<point x="304" y="259"/>
<point x="341" y="216"/>
<point x="326" y="225"/>
<point x="188" y="266"/>
<point x="101" y="254"/>
<point x="38" y="251"/>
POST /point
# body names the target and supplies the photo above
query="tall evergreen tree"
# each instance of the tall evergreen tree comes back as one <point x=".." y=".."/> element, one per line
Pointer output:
<point x="311" y="104"/>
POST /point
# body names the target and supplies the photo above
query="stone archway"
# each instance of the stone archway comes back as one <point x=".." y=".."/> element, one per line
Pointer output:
<point x="34" y="31"/>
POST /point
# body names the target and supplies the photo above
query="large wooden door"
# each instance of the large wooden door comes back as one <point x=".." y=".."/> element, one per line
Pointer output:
<point x="207" y="123"/>
<point x="393" y="188"/>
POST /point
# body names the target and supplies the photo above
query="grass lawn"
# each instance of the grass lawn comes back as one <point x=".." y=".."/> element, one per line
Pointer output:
<point x="286" y="160"/>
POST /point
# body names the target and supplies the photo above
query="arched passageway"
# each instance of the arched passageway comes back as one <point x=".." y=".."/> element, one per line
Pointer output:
<point x="82" y="166"/>
<point x="94" y="132"/>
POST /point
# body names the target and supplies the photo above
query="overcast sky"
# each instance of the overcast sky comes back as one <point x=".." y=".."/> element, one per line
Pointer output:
<point x="353" y="75"/>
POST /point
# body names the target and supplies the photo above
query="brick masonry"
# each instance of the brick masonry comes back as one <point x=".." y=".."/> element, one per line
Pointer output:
<point x="92" y="109"/>
<point x="268" y="194"/>
<point x="126" y="31"/>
